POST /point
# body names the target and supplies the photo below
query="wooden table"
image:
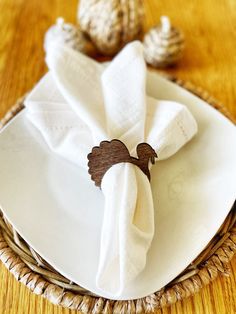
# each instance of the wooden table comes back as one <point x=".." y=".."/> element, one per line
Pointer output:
<point x="209" y="61"/>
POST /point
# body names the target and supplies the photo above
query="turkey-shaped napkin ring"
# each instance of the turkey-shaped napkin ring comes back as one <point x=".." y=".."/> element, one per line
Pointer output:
<point x="107" y="154"/>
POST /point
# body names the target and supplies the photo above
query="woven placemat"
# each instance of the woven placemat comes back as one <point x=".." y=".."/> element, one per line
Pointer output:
<point x="30" y="269"/>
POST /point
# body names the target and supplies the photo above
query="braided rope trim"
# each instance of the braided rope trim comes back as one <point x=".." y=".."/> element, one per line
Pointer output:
<point x="30" y="269"/>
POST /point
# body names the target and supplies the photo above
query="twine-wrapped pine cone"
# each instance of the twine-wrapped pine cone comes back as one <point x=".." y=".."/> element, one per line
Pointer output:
<point x="163" y="44"/>
<point x="68" y="34"/>
<point x="111" y="24"/>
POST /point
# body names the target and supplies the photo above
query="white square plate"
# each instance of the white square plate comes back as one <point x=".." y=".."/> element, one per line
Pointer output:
<point x="58" y="211"/>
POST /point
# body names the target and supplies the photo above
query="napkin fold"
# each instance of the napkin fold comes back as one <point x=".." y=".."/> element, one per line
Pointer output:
<point x="80" y="103"/>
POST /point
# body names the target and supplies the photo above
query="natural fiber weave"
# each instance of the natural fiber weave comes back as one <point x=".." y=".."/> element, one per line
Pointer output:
<point x="69" y="35"/>
<point x="163" y="44"/>
<point x="111" y="24"/>
<point x="29" y="268"/>
<point x="162" y="49"/>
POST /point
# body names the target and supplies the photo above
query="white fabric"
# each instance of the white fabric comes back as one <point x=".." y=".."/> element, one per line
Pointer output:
<point x="78" y="104"/>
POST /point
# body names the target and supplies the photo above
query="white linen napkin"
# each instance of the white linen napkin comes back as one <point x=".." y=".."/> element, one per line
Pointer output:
<point x="80" y="103"/>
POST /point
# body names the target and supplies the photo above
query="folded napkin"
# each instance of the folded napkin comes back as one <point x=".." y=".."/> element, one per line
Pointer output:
<point x="80" y="103"/>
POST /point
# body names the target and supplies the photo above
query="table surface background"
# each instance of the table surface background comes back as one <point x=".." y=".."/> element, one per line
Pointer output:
<point x="209" y="61"/>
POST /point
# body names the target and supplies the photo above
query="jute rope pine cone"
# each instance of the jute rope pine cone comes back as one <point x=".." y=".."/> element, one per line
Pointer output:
<point x="30" y="269"/>
<point x="163" y="44"/>
<point x="111" y="24"/>
<point x="70" y="35"/>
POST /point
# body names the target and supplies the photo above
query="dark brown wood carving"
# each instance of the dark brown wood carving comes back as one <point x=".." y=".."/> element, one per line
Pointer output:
<point x="110" y="153"/>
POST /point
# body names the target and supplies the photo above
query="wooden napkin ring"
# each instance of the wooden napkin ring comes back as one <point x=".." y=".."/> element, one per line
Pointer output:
<point x="107" y="154"/>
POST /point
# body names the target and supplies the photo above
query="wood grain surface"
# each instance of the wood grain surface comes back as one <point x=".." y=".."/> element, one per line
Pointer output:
<point x="209" y="61"/>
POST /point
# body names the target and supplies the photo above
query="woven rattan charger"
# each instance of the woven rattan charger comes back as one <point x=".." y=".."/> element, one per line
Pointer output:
<point x="30" y="269"/>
